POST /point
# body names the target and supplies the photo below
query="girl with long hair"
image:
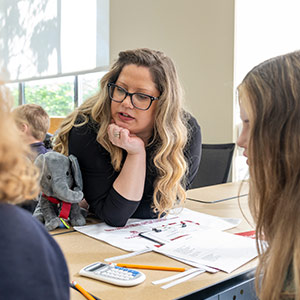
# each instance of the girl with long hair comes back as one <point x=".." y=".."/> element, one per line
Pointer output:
<point x="138" y="149"/>
<point x="269" y="99"/>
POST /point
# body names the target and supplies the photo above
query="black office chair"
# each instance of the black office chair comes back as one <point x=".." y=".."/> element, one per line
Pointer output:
<point x="214" y="165"/>
<point x="47" y="140"/>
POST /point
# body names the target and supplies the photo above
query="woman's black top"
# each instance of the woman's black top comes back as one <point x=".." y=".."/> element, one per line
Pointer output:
<point x="98" y="174"/>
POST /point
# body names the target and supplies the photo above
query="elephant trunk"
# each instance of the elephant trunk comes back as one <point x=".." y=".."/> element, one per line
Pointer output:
<point x="62" y="191"/>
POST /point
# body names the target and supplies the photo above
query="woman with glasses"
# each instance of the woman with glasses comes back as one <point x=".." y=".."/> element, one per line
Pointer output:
<point x="137" y="148"/>
<point x="269" y="99"/>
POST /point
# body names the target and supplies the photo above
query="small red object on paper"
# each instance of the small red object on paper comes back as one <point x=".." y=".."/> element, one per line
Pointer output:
<point x="250" y="234"/>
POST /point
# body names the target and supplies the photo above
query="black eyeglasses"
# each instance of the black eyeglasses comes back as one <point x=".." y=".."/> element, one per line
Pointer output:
<point x="138" y="100"/>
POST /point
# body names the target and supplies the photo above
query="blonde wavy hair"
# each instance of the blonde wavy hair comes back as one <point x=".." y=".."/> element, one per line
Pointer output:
<point x="170" y="133"/>
<point x="18" y="176"/>
<point x="270" y="94"/>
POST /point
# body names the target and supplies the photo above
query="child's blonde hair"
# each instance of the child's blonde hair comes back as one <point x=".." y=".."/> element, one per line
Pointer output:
<point x="18" y="176"/>
<point x="35" y="117"/>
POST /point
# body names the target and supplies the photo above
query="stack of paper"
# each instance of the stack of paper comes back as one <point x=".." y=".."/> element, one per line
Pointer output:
<point x="213" y="248"/>
<point x="191" y="237"/>
<point x="170" y="228"/>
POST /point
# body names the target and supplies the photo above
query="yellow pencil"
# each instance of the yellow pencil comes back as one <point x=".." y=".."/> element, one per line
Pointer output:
<point x="83" y="291"/>
<point x="151" y="267"/>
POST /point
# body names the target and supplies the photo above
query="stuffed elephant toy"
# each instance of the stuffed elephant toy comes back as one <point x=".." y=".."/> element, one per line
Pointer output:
<point x="61" y="186"/>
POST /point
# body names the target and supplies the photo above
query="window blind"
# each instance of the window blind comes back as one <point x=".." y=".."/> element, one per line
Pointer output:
<point x="42" y="38"/>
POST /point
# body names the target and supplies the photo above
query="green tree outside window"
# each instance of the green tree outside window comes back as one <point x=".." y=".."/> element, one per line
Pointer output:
<point x="57" y="101"/>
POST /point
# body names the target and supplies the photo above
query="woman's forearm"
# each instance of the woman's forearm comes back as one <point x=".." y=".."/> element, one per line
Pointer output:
<point x="131" y="180"/>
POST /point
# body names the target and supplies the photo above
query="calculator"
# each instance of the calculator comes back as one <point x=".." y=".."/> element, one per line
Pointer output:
<point x="113" y="274"/>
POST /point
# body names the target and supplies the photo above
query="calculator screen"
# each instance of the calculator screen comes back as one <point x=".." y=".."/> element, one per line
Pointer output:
<point x="96" y="267"/>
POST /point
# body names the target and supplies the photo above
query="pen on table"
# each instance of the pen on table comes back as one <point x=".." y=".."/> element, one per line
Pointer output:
<point x="73" y="287"/>
<point x="82" y="291"/>
<point x="150" y="267"/>
<point x="152" y="240"/>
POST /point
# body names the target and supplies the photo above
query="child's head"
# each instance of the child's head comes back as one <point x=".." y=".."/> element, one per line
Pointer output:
<point x="18" y="176"/>
<point x="269" y="97"/>
<point x="32" y="120"/>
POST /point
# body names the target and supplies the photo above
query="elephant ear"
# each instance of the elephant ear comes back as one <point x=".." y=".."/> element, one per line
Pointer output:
<point x="40" y="163"/>
<point x="76" y="171"/>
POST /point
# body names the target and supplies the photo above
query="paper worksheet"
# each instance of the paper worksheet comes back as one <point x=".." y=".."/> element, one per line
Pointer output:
<point x="213" y="248"/>
<point x="174" y="226"/>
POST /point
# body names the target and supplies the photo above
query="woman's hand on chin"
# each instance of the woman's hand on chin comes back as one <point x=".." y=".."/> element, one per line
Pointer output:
<point x="121" y="137"/>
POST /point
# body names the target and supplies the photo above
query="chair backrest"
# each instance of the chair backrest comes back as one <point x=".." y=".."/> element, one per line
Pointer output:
<point x="47" y="140"/>
<point x="214" y="165"/>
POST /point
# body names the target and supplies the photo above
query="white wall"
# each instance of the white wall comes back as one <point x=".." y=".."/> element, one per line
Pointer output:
<point x="199" y="36"/>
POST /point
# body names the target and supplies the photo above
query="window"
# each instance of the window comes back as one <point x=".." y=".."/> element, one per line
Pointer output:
<point x="41" y="38"/>
<point x="55" y="51"/>
<point x="14" y="90"/>
<point x="89" y="84"/>
<point x="57" y="95"/>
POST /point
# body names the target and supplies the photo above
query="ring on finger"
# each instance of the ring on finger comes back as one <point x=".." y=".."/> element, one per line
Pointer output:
<point x="117" y="134"/>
